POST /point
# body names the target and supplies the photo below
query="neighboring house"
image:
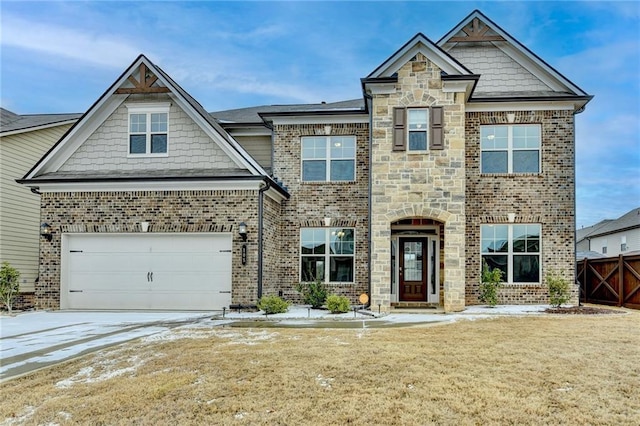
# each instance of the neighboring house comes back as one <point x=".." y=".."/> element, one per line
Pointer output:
<point x="459" y="152"/>
<point x="23" y="141"/>
<point x="611" y="237"/>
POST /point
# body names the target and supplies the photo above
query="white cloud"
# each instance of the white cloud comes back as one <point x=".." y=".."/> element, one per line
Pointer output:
<point x="93" y="48"/>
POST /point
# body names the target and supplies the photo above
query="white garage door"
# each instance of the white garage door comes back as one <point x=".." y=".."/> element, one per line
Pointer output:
<point x="146" y="271"/>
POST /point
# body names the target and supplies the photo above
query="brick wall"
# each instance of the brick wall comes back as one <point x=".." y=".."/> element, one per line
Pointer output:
<point x="167" y="211"/>
<point x="546" y="198"/>
<point x="346" y="203"/>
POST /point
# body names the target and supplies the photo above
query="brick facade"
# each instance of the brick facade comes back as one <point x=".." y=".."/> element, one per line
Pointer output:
<point x="546" y="198"/>
<point x="167" y="211"/>
<point x="346" y="203"/>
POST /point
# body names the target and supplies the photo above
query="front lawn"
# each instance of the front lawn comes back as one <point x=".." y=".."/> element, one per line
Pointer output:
<point x="573" y="369"/>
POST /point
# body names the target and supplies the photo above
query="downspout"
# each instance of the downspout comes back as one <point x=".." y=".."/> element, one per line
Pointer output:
<point x="261" y="192"/>
<point x="369" y="100"/>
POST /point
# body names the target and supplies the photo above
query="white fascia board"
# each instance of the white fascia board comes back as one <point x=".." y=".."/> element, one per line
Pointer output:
<point x="158" y="185"/>
<point x="275" y="195"/>
<point x="74" y="139"/>
<point x="520" y="106"/>
<point x="319" y="119"/>
<point x="381" y="88"/>
<point x="40" y="127"/>
<point x="435" y="55"/>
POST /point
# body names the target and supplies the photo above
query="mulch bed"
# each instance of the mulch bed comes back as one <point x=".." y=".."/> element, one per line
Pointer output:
<point x="582" y="310"/>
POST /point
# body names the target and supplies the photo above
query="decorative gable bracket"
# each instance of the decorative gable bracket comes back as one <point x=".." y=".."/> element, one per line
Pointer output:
<point x="476" y="32"/>
<point x="144" y="84"/>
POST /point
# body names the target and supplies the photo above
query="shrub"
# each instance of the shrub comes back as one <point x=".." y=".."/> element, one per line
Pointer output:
<point x="338" y="304"/>
<point x="9" y="284"/>
<point x="273" y="305"/>
<point x="314" y="293"/>
<point x="558" y="290"/>
<point x="491" y="283"/>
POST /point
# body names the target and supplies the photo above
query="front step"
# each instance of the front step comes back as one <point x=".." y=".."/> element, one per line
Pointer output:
<point x="414" y="305"/>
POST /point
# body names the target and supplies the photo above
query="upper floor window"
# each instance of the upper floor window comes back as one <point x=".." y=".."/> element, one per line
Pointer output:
<point x="418" y="129"/>
<point x="327" y="254"/>
<point x="514" y="249"/>
<point x="328" y="158"/>
<point x="510" y="149"/>
<point x="148" y="129"/>
<point x="623" y="243"/>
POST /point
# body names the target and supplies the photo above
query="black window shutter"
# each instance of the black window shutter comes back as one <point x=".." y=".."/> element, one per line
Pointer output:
<point x="437" y="128"/>
<point x="399" y="132"/>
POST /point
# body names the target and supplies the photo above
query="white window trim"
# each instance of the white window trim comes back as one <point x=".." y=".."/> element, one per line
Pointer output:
<point x="327" y="255"/>
<point x="510" y="149"/>
<point x="409" y="131"/>
<point x="510" y="253"/>
<point x="328" y="159"/>
<point x="147" y="109"/>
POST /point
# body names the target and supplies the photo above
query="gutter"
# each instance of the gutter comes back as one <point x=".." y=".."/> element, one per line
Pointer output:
<point x="369" y="98"/>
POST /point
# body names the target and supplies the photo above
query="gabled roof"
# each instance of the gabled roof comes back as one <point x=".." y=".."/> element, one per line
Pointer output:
<point x="478" y="28"/>
<point x="630" y="220"/>
<point x="12" y="123"/>
<point x="115" y="95"/>
<point x="419" y="44"/>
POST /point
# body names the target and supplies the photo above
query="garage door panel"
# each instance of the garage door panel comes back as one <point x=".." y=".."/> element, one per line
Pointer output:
<point x="108" y="282"/>
<point x="147" y="271"/>
<point x="99" y="262"/>
<point x="177" y="262"/>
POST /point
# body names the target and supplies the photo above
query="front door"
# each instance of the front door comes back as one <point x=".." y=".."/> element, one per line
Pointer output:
<point x="413" y="269"/>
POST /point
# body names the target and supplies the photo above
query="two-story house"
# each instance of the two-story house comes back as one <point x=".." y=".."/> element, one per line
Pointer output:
<point x="459" y="152"/>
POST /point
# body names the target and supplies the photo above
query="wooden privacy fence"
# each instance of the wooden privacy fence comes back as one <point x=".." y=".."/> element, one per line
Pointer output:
<point x="610" y="281"/>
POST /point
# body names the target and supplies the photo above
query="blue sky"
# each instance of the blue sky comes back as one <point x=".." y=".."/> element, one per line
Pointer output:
<point x="61" y="56"/>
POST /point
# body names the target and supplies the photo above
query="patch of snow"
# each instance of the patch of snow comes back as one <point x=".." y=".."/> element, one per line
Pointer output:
<point x="240" y="415"/>
<point x="25" y="415"/>
<point x="325" y="382"/>
<point x="85" y="374"/>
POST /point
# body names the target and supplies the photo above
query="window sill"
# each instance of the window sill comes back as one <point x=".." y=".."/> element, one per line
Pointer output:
<point x="417" y="152"/>
<point x="511" y="175"/>
<point x="164" y="155"/>
<point x="328" y="182"/>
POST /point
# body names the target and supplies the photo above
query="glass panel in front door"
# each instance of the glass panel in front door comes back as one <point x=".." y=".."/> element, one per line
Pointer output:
<point x="413" y="261"/>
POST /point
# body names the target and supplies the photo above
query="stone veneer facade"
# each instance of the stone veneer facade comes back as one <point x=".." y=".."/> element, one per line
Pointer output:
<point x="167" y="211"/>
<point x="547" y="198"/>
<point x="428" y="185"/>
<point x="346" y="203"/>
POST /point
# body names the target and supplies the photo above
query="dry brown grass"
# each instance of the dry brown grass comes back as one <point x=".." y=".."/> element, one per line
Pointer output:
<point x="532" y="370"/>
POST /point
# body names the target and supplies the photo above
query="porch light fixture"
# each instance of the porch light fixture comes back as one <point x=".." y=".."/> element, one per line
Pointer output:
<point x="242" y="230"/>
<point x="45" y="231"/>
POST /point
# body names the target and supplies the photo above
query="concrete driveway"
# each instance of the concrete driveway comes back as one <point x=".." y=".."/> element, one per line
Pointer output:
<point x="33" y="340"/>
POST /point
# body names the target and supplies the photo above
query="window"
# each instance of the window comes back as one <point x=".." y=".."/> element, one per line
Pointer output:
<point x="604" y="250"/>
<point x="514" y="249"/>
<point x="327" y="254"/>
<point x="148" y="129"/>
<point x="328" y="158"/>
<point x="623" y="243"/>
<point x="510" y="149"/>
<point x="422" y="127"/>
<point x="418" y="127"/>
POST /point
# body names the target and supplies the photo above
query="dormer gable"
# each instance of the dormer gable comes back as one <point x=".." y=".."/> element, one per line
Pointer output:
<point x="506" y="67"/>
<point x="144" y="86"/>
